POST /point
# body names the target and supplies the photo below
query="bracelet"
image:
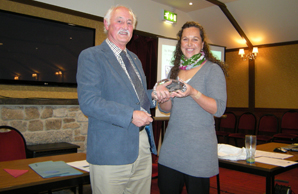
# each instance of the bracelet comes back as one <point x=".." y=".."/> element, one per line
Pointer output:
<point x="198" y="95"/>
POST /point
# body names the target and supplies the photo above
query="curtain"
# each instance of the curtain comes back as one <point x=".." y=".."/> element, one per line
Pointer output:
<point x="146" y="49"/>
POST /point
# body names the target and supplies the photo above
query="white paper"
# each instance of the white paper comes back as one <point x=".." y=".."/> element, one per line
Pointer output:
<point x="260" y="153"/>
<point x="82" y="165"/>
<point x="274" y="161"/>
<point x="229" y="152"/>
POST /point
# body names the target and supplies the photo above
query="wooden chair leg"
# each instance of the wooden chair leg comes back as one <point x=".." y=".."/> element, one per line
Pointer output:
<point x="74" y="190"/>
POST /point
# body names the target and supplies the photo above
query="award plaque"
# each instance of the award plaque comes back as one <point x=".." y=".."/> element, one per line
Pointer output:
<point x="174" y="86"/>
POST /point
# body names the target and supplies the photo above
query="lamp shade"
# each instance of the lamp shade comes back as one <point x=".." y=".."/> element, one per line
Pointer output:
<point x="255" y="50"/>
<point x="241" y="52"/>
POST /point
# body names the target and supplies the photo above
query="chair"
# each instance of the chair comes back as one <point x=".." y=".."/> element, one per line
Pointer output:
<point x="227" y="125"/>
<point x="268" y="126"/>
<point x="289" y="128"/>
<point x="246" y="126"/>
<point x="12" y="144"/>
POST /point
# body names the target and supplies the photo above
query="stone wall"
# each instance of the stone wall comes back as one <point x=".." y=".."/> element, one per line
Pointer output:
<point x="41" y="124"/>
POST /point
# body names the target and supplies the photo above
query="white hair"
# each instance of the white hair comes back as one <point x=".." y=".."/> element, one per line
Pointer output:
<point x="109" y="13"/>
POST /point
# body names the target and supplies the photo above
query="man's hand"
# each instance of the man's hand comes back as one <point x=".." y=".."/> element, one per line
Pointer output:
<point x="141" y="118"/>
<point x="161" y="94"/>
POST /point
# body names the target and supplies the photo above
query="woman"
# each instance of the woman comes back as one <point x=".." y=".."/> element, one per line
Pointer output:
<point x="188" y="154"/>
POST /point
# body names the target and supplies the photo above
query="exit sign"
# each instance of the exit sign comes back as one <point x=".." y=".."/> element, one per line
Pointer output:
<point x="169" y="16"/>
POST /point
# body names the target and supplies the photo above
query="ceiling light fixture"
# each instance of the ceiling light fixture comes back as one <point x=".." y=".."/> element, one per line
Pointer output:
<point x="58" y="73"/>
<point x="250" y="56"/>
<point x="190" y="3"/>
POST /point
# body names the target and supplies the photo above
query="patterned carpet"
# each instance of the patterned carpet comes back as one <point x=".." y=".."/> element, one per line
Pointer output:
<point x="234" y="182"/>
<point x="231" y="182"/>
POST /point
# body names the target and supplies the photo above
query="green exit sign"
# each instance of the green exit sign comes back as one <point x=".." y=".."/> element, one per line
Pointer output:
<point x="169" y="16"/>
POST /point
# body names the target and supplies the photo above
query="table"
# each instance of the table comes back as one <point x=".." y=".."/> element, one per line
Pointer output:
<point x="261" y="169"/>
<point x="49" y="149"/>
<point x="31" y="182"/>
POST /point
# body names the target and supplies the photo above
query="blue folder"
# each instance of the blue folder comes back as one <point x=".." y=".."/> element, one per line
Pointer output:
<point x="50" y="169"/>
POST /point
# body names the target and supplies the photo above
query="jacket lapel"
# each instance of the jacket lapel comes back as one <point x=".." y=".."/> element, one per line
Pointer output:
<point x="113" y="62"/>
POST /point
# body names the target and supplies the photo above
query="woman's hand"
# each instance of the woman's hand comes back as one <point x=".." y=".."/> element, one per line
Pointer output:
<point x="189" y="91"/>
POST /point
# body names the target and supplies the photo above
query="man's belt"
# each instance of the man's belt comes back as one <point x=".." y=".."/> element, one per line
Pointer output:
<point x="141" y="128"/>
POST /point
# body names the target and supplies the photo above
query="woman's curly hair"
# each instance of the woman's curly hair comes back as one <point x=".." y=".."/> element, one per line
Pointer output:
<point x="178" y="52"/>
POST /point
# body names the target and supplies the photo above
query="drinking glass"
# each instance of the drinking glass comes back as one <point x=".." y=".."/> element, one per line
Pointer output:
<point x="250" y="146"/>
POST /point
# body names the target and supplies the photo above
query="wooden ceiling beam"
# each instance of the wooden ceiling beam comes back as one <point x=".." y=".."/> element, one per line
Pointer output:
<point x="230" y="17"/>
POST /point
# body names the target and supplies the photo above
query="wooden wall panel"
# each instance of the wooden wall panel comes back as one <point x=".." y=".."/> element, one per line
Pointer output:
<point x="277" y="77"/>
<point x="237" y="80"/>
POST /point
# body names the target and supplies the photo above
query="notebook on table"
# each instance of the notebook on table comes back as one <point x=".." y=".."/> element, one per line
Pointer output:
<point x="50" y="169"/>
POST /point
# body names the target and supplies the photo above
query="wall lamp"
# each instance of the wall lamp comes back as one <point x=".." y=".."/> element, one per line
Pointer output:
<point x="250" y="56"/>
<point x="58" y="73"/>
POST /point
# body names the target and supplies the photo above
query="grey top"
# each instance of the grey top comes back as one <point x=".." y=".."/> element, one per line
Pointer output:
<point x="190" y="143"/>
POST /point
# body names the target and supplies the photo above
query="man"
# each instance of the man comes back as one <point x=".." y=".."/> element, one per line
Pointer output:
<point x="118" y="146"/>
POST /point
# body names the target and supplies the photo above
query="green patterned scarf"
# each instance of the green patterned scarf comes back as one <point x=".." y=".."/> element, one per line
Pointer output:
<point x="194" y="61"/>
